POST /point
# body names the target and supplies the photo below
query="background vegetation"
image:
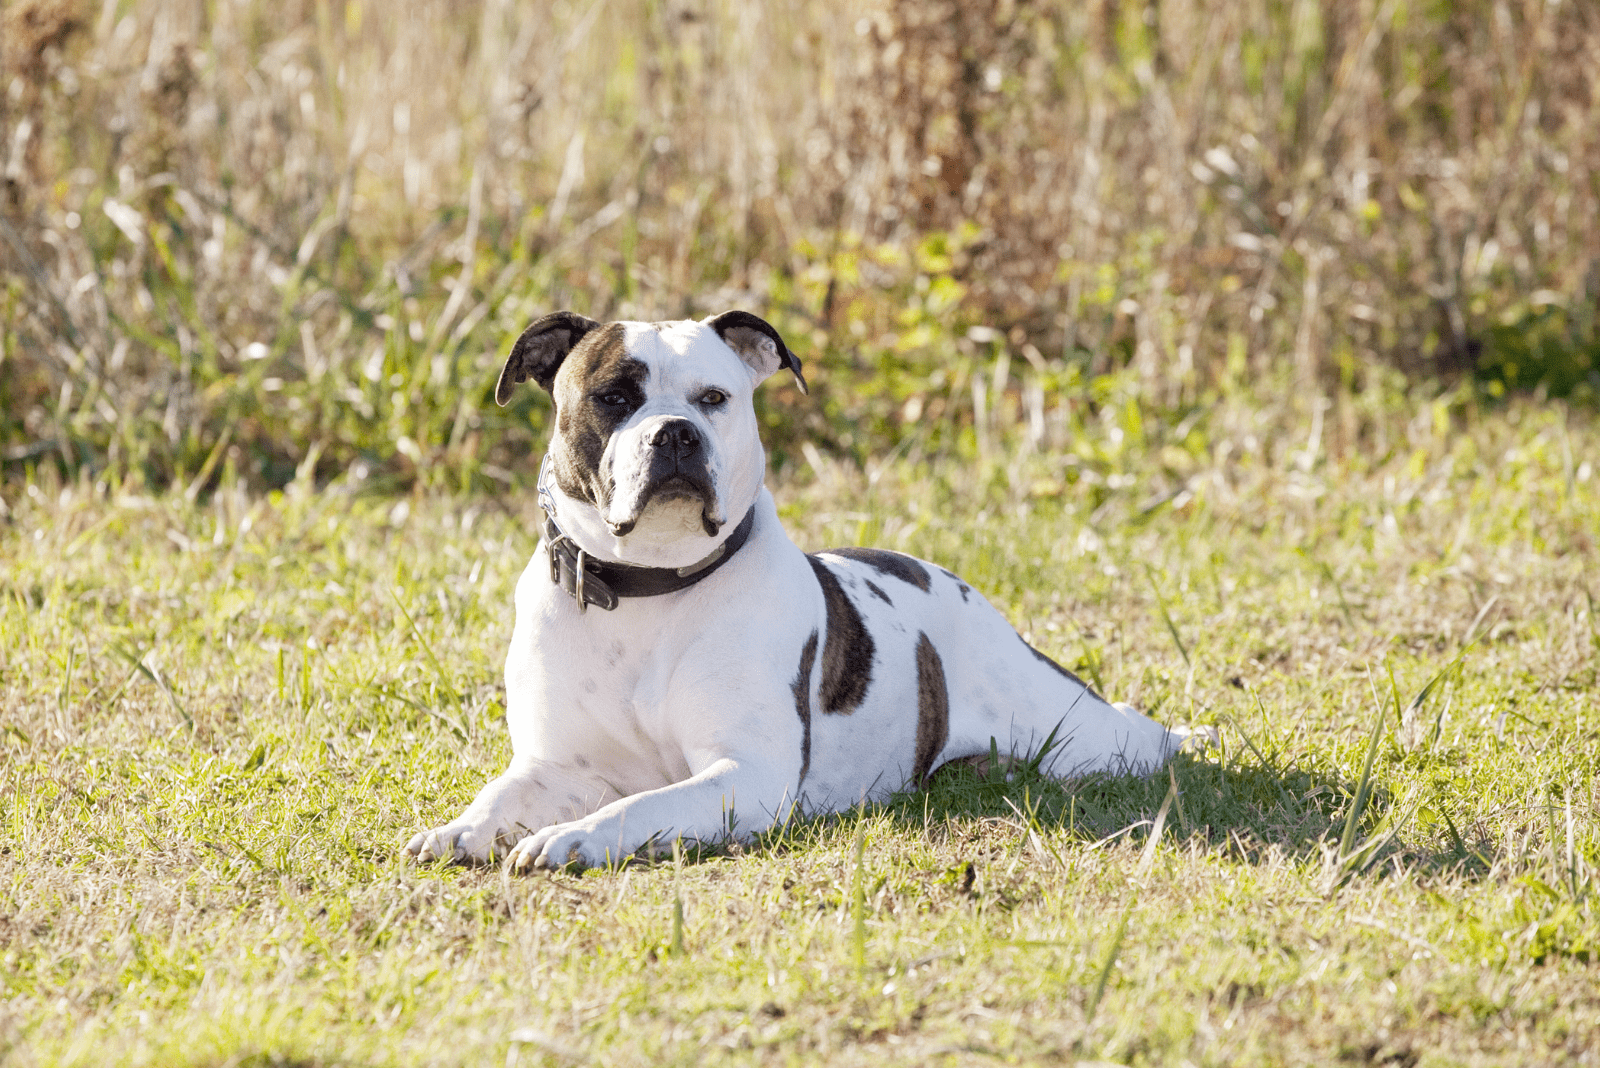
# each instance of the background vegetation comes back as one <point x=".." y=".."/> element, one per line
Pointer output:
<point x="242" y="236"/>
<point x="1244" y="354"/>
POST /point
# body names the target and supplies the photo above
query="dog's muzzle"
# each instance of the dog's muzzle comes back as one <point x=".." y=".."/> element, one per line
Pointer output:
<point x="677" y="470"/>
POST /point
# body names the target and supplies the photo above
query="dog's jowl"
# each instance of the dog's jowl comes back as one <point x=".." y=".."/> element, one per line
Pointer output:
<point x="680" y="668"/>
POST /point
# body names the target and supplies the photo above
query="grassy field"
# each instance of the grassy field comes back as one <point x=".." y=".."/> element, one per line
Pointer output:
<point x="220" y="720"/>
<point x="1246" y="355"/>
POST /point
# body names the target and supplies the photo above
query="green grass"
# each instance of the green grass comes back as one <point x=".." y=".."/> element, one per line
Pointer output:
<point x="220" y="720"/>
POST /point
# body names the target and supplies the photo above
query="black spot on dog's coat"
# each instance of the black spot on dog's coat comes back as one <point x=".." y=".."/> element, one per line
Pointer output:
<point x="1057" y="668"/>
<point x="933" y="709"/>
<point x="899" y="565"/>
<point x="848" y="649"/>
<point x="962" y="586"/>
<point x="802" y="702"/>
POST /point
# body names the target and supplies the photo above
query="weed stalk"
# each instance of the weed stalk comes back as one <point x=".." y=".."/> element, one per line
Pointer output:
<point x="858" y="904"/>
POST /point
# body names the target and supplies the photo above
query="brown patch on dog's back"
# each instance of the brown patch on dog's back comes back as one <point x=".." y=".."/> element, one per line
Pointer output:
<point x="847" y="652"/>
<point x="933" y="709"/>
<point x="802" y="702"/>
<point x="899" y="565"/>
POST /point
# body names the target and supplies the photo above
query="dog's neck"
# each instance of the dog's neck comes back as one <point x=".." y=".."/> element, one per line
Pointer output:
<point x="669" y="534"/>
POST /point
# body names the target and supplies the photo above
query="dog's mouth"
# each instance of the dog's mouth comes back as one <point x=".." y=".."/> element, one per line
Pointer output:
<point x="678" y="487"/>
<point x="670" y="488"/>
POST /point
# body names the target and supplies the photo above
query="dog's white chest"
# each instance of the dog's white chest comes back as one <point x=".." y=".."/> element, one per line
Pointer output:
<point x="588" y="694"/>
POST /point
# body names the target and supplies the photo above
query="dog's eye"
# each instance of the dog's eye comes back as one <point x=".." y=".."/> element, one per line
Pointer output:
<point x="614" y="398"/>
<point x="712" y="398"/>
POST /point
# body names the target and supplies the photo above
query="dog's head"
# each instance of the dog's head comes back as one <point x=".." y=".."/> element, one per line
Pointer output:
<point x="655" y="431"/>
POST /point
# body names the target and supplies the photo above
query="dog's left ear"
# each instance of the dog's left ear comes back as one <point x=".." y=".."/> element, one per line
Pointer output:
<point x="539" y="351"/>
<point x="755" y="342"/>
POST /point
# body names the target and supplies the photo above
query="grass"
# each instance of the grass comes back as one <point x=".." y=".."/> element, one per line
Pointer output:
<point x="221" y="717"/>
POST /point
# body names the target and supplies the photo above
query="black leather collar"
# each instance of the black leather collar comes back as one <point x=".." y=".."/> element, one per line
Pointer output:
<point x="592" y="581"/>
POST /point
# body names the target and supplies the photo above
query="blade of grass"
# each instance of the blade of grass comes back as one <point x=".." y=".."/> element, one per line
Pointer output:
<point x="1146" y="859"/>
<point x="1470" y="638"/>
<point x="1166" y="616"/>
<point x="1029" y="815"/>
<point x="140" y="667"/>
<point x="1266" y="764"/>
<point x="858" y="904"/>
<point x="1361" y="858"/>
<point x="677" y="897"/>
<point x="1594" y="622"/>
<point x="1338" y="589"/>
<point x="416" y="632"/>
<point x="220" y="449"/>
<point x="1408" y="718"/>
<point x="65" y="699"/>
<point x="1091" y="656"/>
<point x="1105" y="971"/>
<point x="1177" y="797"/>
<point x="458" y="729"/>
<point x="1363" y="787"/>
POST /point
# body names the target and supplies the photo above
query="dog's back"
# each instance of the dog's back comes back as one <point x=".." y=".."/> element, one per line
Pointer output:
<point x="904" y="634"/>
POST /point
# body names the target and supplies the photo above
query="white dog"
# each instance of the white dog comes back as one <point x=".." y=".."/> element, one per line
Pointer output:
<point x="679" y="668"/>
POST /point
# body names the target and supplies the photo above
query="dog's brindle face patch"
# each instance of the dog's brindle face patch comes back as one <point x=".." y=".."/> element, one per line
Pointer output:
<point x="599" y="387"/>
<point x="847" y="651"/>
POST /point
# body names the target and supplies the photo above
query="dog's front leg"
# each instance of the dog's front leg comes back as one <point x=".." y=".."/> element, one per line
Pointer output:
<point x="530" y="795"/>
<point x="730" y="798"/>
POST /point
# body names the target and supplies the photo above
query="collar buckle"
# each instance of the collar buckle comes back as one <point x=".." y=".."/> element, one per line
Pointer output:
<point x="575" y="571"/>
<point x="577" y="582"/>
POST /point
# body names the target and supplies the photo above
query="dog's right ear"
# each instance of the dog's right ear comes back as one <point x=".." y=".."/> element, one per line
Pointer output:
<point x="539" y="351"/>
<point x="754" y="341"/>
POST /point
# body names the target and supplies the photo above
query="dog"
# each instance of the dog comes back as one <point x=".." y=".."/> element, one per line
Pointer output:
<point x="680" y="669"/>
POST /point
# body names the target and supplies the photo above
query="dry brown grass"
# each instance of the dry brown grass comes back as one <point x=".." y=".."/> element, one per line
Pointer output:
<point x="271" y="226"/>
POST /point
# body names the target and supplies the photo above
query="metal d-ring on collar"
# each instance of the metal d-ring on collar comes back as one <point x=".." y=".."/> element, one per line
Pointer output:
<point x="590" y="581"/>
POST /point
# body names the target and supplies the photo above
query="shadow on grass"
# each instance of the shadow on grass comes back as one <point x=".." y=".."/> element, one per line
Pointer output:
<point x="1245" y="809"/>
<point x="1249" y="811"/>
<point x="1240" y="806"/>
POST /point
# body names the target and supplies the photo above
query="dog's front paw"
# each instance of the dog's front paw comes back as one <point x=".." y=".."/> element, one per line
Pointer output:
<point x="566" y="845"/>
<point x="461" y="841"/>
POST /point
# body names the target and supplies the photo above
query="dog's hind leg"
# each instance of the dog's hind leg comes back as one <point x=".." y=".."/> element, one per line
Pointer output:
<point x="1027" y="702"/>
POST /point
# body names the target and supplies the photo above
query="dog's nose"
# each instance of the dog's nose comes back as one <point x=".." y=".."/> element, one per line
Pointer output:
<point x="678" y="437"/>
